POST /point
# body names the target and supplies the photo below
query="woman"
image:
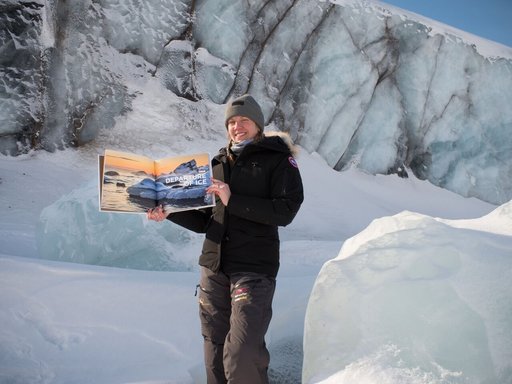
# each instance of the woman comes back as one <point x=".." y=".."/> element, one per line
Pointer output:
<point x="258" y="188"/>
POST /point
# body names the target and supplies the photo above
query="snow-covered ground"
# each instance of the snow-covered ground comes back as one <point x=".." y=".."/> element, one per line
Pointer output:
<point x="64" y="322"/>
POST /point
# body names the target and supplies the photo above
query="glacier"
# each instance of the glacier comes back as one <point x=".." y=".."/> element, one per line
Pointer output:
<point x="363" y="84"/>
<point x="72" y="229"/>
<point x="430" y="297"/>
<point x="387" y="311"/>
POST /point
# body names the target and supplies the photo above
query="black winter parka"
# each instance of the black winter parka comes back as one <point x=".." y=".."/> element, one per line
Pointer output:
<point x="266" y="192"/>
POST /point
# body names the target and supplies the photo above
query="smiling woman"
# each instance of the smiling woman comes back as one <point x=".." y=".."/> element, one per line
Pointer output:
<point x="241" y="128"/>
<point x="258" y="187"/>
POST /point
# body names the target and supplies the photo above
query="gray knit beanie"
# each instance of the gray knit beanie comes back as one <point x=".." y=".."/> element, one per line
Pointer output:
<point x="245" y="106"/>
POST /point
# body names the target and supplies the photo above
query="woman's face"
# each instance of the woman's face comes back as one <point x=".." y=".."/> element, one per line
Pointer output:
<point x="242" y="128"/>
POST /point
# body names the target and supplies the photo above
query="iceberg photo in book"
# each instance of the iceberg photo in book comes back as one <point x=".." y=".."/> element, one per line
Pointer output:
<point x="134" y="183"/>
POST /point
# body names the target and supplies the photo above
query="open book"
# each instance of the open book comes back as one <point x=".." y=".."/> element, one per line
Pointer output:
<point x="133" y="183"/>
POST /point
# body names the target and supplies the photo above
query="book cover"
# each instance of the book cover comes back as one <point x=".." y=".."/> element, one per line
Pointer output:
<point x="132" y="183"/>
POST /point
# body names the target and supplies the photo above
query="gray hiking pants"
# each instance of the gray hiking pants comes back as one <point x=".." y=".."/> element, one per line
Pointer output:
<point x="235" y="313"/>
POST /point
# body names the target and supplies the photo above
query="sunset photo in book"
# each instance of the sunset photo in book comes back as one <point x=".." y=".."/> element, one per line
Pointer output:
<point x="134" y="183"/>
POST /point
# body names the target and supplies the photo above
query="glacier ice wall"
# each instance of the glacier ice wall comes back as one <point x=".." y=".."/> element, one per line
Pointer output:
<point x="72" y="229"/>
<point x="361" y="85"/>
<point x="387" y="311"/>
<point x="22" y="67"/>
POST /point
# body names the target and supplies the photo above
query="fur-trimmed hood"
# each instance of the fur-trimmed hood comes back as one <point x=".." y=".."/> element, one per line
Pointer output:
<point x="294" y="149"/>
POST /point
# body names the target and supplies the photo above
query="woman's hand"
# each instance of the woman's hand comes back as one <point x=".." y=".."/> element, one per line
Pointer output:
<point x="157" y="214"/>
<point x="221" y="189"/>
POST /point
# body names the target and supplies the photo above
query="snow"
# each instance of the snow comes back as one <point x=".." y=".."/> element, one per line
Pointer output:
<point x="65" y="321"/>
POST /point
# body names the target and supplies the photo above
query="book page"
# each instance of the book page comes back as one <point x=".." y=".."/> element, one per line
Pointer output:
<point x="181" y="182"/>
<point x="127" y="183"/>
